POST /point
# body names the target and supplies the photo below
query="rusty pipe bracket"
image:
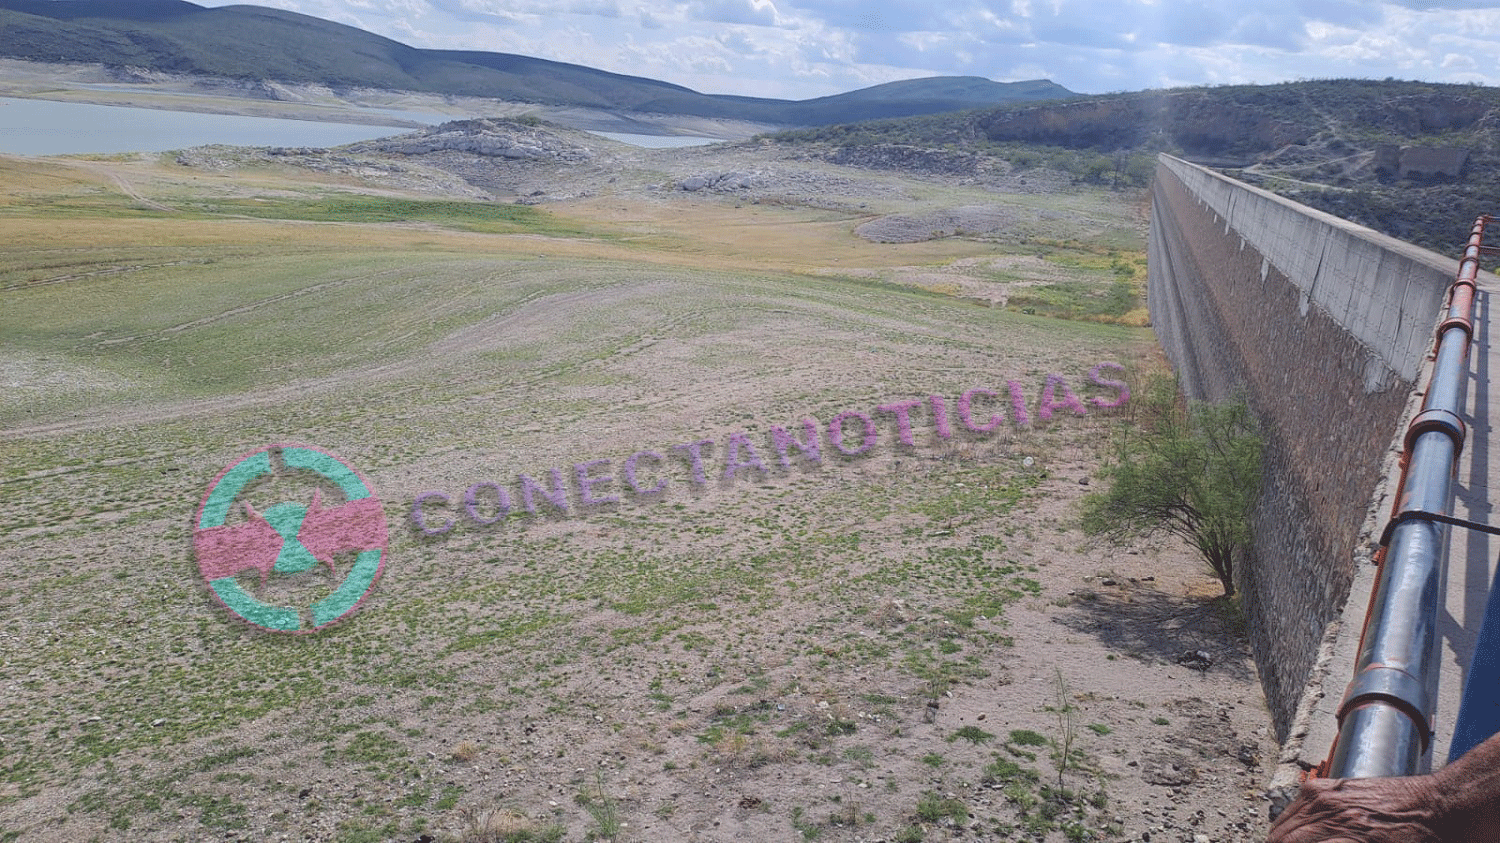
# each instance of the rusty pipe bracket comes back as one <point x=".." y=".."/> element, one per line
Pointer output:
<point x="1437" y="419"/>
<point x="1461" y="322"/>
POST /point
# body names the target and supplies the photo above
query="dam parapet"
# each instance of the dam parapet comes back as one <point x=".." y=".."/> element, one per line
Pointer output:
<point x="1325" y="327"/>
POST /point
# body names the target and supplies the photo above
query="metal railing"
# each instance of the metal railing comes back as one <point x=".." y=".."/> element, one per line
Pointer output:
<point x="1385" y="720"/>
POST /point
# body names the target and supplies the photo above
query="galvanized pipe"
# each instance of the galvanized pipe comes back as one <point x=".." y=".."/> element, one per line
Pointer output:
<point x="1385" y="720"/>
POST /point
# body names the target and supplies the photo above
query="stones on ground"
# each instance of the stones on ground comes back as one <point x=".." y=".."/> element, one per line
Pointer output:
<point x="491" y="138"/>
<point x="1199" y="660"/>
<point x="929" y="714"/>
<point x="411" y="175"/>
<point x="718" y="182"/>
<point x="1168" y="771"/>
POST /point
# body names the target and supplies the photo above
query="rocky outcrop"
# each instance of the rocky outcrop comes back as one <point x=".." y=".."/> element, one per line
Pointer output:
<point x="413" y="176"/>
<point x="720" y="181"/>
<point x="506" y="139"/>
<point x="1422" y="161"/>
<point x="1422" y="114"/>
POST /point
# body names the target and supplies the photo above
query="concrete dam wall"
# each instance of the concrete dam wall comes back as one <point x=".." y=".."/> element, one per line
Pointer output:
<point x="1325" y="327"/>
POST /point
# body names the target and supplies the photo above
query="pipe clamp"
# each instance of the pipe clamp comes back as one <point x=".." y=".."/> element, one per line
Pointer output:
<point x="1441" y="420"/>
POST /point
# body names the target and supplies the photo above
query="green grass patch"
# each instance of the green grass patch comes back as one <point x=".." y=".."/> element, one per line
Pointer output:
<point x="484" y="217"/>
<point x="933" y="807"/>
<point x="1078" y="301"/>
<point x="1026" y="737"/>
<point x="972" y="734"/>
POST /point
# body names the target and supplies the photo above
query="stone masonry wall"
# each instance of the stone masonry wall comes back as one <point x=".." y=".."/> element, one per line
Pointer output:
<point x="1323" y="326"/>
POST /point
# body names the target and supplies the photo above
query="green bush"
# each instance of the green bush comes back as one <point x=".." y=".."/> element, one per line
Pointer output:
<point x="1190" y="470"/>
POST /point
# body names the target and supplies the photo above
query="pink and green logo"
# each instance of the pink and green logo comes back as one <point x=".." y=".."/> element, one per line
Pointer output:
<point x="249" y="555"/>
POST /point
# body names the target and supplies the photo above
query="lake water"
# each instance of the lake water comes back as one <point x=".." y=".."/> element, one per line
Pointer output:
<point x="657" y="141"/>
<point x="43" y="127"/>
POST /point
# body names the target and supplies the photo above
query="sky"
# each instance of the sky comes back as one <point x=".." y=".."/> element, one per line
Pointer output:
<point x="799" y="49"/>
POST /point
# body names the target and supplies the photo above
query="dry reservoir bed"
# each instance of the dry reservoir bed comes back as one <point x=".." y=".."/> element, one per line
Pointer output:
<point x="905" y="638"/>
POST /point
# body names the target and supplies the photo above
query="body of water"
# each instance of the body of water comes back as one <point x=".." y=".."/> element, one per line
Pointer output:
<point x="43" y="127"/>
<point x="657" y="141"/>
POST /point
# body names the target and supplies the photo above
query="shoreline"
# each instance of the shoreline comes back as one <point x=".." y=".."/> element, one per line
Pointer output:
<point x="97" y="84"/>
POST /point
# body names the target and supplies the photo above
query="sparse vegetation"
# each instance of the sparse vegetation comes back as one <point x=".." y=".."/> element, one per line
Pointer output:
<point x="603" y="808"/>
<point x="465" y="752"/>
<point x="1067" y="727"/>
<point x="481" y="217"/>
<point x="506" y="826"/>
<point x="1026" y="737"/>
<point x="972" y="734"/>
<point x="934" y="808"/>
<point x="1192" y="471"/>
<point x="539" y="679"/>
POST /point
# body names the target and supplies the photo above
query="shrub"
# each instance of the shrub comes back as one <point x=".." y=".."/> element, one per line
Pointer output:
<point x="1190" y="470"/>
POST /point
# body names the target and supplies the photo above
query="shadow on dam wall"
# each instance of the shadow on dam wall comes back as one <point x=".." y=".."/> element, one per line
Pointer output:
<point x="1325" y="327"/>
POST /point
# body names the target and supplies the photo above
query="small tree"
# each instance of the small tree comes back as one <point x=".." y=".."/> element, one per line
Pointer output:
<point x="1193" y="471"/>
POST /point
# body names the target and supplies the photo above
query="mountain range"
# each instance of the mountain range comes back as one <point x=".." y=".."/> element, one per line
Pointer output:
<point x="256" y="43"/>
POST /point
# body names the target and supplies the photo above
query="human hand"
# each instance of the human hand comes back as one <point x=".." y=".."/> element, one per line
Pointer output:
<point x="1407" y="809"/>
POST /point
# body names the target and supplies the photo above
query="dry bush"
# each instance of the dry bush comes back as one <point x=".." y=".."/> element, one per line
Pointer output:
<point x="503" y="825"/>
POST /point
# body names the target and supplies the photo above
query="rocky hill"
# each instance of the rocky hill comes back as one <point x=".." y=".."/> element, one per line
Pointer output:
<point x="1416" y="160"/>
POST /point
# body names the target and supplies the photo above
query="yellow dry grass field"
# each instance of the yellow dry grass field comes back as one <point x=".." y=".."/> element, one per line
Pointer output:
<point x="706" y="519"/>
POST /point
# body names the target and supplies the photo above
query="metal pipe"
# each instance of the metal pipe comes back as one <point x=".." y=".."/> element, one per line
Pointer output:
<point x="1385" y="720"/>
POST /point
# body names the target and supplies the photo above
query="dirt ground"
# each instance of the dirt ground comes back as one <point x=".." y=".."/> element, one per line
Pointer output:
<point x="911" y="643"/>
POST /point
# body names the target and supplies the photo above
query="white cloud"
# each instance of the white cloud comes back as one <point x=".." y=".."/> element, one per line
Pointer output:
<point x="805" y="48"/>
<point x="751" y="12"/>
<point x="1442" y="5"/>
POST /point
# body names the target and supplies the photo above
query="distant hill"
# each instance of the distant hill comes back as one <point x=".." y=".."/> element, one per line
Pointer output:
<point x="257" y="43"/>
<point x="1416" y="160"/>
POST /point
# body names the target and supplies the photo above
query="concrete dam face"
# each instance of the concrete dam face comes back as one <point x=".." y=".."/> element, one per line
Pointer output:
<point x="1325" y="328"/>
